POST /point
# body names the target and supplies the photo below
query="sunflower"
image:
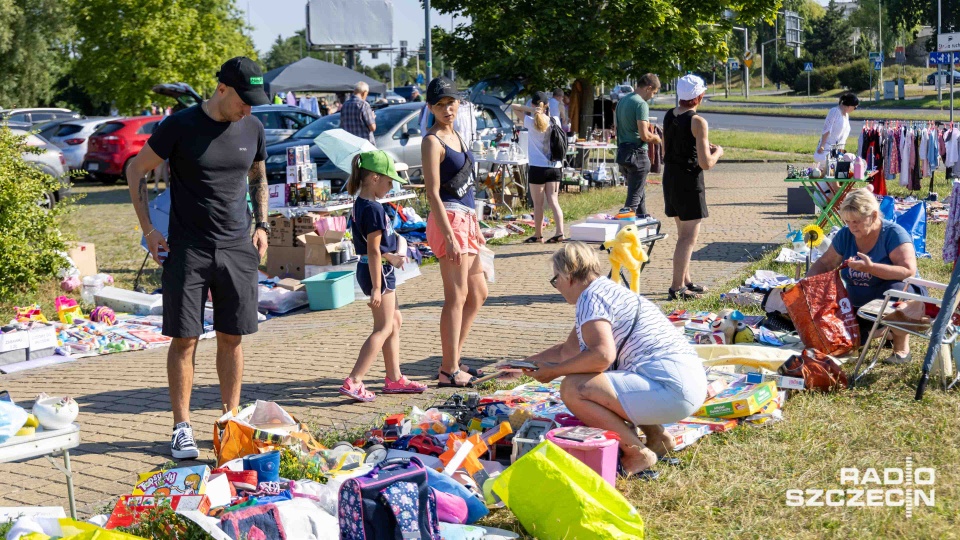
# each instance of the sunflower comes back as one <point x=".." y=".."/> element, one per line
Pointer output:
<point x="812" y="235"/>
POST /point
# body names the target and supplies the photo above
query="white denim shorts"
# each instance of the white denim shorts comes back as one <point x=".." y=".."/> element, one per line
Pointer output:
<point x="662" y="391"/>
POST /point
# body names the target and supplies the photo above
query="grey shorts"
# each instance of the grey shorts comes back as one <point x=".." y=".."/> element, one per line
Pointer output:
<point x="662" y="391"/>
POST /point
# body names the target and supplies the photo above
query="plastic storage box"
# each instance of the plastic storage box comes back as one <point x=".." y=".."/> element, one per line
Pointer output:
<point x="330" y="290"/>
<point x="599" y="453"/>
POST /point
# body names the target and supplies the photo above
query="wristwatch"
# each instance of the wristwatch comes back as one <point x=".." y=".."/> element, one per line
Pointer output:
<point x="263" y="225"/>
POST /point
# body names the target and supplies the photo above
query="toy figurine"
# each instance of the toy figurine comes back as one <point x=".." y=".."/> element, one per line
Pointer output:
<point x="627" y="251"/>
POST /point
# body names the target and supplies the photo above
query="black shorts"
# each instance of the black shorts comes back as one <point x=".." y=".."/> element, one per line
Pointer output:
<point x="229" y="274"/>
<point x="542" y="175"/>
<point x="388" y="280"/>
<point x="683" y="195"/>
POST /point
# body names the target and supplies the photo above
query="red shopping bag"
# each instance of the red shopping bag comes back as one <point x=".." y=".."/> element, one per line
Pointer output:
<point x="822" y="312"/>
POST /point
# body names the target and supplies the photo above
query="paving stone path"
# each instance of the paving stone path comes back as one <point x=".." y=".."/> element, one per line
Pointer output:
<point x="299" y="361"/>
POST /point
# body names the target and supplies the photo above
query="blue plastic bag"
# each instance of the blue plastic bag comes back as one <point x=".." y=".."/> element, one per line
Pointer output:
<point x="12" y="418"/>
<point x="913" y="220"/>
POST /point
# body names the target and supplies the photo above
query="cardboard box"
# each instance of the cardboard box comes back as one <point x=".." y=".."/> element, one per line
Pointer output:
<point x="738" y="401"/>
<point x="180" y="481"/>
<point x="277" y="195"/>
<point x="281" y="231"/>
<point x="290" y="284"/>
<point x="293" y="174"/>
<point x="782" y="381"/>
<point x="318" y="248"/>
<point x="685" y="434"/>
<point x="718" y="381"/>
<point x="84" y="256"/>
<point x="715" y="425"/>
<point x="129" y="507"/>
<point x="286" y="261"/>
<point x="594" y="232"/>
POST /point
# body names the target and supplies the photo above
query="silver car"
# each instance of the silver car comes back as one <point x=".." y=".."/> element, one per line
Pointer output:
<point x="50" y="161"/>
<point x="37" y="115"/>
<point x="72" y="138"/>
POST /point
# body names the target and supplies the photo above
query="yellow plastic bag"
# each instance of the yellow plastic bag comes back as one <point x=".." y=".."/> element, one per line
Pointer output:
<point x="78" y="530"/>
<point x="555" y="496"/>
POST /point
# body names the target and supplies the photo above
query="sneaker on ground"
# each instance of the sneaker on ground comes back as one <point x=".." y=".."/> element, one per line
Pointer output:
<point x="182" y="445"/>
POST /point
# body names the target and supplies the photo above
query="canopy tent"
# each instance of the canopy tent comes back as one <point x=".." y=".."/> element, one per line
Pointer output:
<point x="312" y="75"/>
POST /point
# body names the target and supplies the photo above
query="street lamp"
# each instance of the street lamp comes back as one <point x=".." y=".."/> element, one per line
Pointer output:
<point x="746" y="70"/>
<point x="763" y="59"/>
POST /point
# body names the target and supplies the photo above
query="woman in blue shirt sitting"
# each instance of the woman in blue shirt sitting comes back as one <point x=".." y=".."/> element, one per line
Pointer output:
<point x="879" y="256"/>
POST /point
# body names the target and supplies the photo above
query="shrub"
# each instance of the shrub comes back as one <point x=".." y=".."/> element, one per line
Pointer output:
<point x="856" y="75"/>
<point x="821" y="80"/>
<point x="30" y="242"/>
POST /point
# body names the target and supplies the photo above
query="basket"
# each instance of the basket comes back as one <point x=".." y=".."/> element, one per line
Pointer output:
<point x="330" y="290"/>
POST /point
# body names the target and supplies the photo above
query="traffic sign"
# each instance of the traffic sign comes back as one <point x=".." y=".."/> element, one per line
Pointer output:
<point x="808" y="66"/>
<point x="948" y="42"/>
<point x="420" y="78"/>
<point x="876" y="57"/>
<point x="901" y="54"/>
<point x="733" y="63"/>
<point x="877" y="65"/>
<point x="938" y="58"/>
<point x="748" y="59"/>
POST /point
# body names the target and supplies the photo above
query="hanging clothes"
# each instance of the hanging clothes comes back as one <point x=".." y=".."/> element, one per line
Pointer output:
<point x="291" y="99"/>
<point x="952" y="233"/>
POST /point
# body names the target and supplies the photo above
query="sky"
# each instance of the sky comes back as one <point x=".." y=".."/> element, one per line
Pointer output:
<point x="270" y="18"/>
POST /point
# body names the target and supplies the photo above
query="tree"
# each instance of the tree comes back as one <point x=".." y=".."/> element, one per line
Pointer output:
<point x="126" y="47"/>
<point x="281" y="53"/>
<point x="830" y="42"/>
<point x="34" y="42"/>
<point x="550" y="42"/>
<point x="866" y="18"/>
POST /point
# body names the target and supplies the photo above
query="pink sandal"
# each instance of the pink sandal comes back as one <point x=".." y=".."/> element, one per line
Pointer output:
<point x="402" y="386"/>
<point x="357" y="391"/>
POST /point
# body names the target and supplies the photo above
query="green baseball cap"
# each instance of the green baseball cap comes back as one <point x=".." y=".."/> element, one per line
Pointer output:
<point x="380" y="162"/>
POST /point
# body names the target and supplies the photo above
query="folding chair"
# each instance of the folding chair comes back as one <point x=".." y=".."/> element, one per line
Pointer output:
<point x="877" y="309"/>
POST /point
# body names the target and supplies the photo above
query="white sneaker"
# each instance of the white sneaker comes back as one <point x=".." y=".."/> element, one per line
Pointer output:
<point x="182" y="445"/>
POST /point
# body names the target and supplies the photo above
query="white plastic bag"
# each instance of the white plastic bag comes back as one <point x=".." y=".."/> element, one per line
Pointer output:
<point x="12" y="418"/>
<point x="486" y="261"/>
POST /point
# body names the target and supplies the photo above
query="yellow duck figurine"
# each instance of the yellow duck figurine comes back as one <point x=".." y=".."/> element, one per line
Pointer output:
<point x="626" y="251"/>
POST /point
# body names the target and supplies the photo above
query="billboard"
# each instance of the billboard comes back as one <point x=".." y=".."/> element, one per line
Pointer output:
<point x="793" y="29"/>
<point x="362" y="23"/>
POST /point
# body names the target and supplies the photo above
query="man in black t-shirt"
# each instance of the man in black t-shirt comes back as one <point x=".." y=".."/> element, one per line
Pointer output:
<point x="216" y="150"/>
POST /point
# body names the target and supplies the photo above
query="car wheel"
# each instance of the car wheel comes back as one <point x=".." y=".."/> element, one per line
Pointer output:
<point x="49" y="200"/>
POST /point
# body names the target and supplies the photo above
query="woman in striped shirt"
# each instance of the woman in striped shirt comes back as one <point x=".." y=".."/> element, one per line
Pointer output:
<point x="623" y="361"/>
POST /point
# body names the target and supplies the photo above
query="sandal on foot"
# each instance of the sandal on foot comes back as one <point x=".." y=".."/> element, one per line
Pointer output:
<point x="556" y="239"/>
<point x="403" y="385"/>
<point x="699" y="289"/>
<point x="534" y="240"/>
<point x="682" y="294"/>
<point x="469" y="370"/>
<point x="646" y="475"/>
<point x="356" y="391"/>
<point x="453" y="381"/>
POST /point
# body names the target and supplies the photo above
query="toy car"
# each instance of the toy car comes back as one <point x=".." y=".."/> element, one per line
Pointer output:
<point x="422" y="444"/>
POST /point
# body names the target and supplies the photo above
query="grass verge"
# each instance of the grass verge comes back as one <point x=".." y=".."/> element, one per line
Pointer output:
<point x="860" y="114"/>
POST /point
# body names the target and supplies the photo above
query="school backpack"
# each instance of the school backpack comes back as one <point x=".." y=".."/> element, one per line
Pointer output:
<point x="558" y="142"/>
<point x="390" y="502"/>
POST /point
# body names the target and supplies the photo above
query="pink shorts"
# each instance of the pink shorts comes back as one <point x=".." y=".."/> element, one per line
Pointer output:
<point x="466" y="229"/>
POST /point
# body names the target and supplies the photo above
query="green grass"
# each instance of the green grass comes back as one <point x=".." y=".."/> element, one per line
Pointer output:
<point x="860" y="114"/>
<point x="776" y="100"/>
<point x="733" y="485"/>
<point x="746" y="154"/>
<point x="771" y="142"/>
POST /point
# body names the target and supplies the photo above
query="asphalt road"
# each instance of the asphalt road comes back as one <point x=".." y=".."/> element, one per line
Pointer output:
<point x="769" y="124"/>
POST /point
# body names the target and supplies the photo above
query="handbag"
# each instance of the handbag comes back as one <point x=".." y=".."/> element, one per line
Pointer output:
<point x="818" y="371"/>
<point x="391" y="501"/>
<point x="821" y="310"/>
<point x="460" y="183"/>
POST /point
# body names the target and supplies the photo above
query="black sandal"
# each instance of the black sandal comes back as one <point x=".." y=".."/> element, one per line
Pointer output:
<point x="534" y="240"/>
<point x="453" y="381"/>
<point x="683" y="294"/>
<point x="699" y="289"/>
<point x="646" y="475"/>
<point x="556" y="239"/>
<point x="472" y="371"/>
<point x="672" y="461"/>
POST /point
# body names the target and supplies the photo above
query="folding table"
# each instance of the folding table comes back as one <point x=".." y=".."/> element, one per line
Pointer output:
<point x="504" y="168"/>
<point x="829" y="212"/>
<point x="46" y="443"/>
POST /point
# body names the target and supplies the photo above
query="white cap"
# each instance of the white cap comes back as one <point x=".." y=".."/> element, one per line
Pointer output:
<point x="689" y="87"/>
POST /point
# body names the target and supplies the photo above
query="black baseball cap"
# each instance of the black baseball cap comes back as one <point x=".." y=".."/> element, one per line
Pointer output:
<point x="244" y="75"/>
<point x="540" y="97"/>
<point x="440" y="88"/>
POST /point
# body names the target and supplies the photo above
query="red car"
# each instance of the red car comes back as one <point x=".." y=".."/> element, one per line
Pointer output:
<point x="113" y="144"/>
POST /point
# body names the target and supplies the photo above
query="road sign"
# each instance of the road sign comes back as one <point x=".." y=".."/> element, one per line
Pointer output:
<point x="420" y="78"/>
<point x="733" y="63"/>
<point x="937" y="58"/>
<point x="877" y="65"/>
<point x="794" y="32"/>
<point x="876" y="57"/>
<point x="808" y="66"/>
<point x="948" y="42"/>
<point x="901" y="54"/>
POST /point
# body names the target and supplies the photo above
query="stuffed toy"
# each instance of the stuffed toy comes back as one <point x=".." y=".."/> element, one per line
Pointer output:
<point x="626" y="251"/>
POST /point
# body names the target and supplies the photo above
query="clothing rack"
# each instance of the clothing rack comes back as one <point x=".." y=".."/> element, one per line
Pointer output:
<point x="879" y="132"/>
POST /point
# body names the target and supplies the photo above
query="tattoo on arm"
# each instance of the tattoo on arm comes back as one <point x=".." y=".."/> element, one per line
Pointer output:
<point x="258" y="190"/>
<point x="142" y="198"/>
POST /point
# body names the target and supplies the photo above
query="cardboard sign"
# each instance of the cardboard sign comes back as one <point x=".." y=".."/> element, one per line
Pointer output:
<point x="42" y="338"/>
<point x="14" y="341"/>
<point x="277" y="195"/>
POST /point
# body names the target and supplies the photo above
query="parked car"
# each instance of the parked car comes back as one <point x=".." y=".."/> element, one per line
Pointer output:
<point x="72" y="137"/>
<point x="395" y="99"/>
<point x="279" y="121"/>
<point x="282" y="121"/>
<point x="114" y="143"/>
<point x="47" y="129"/>
<point x="406" y="92"/>
<point x="397" y="134"/>
<point x="36" y="115"/>
<point x="620" y="91"/>
<point x="932" y="78"/>
<point x="50" y="161"/>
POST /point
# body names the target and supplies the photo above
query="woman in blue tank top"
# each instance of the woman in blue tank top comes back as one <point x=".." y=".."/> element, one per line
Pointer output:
<point x="453" y="230"/>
